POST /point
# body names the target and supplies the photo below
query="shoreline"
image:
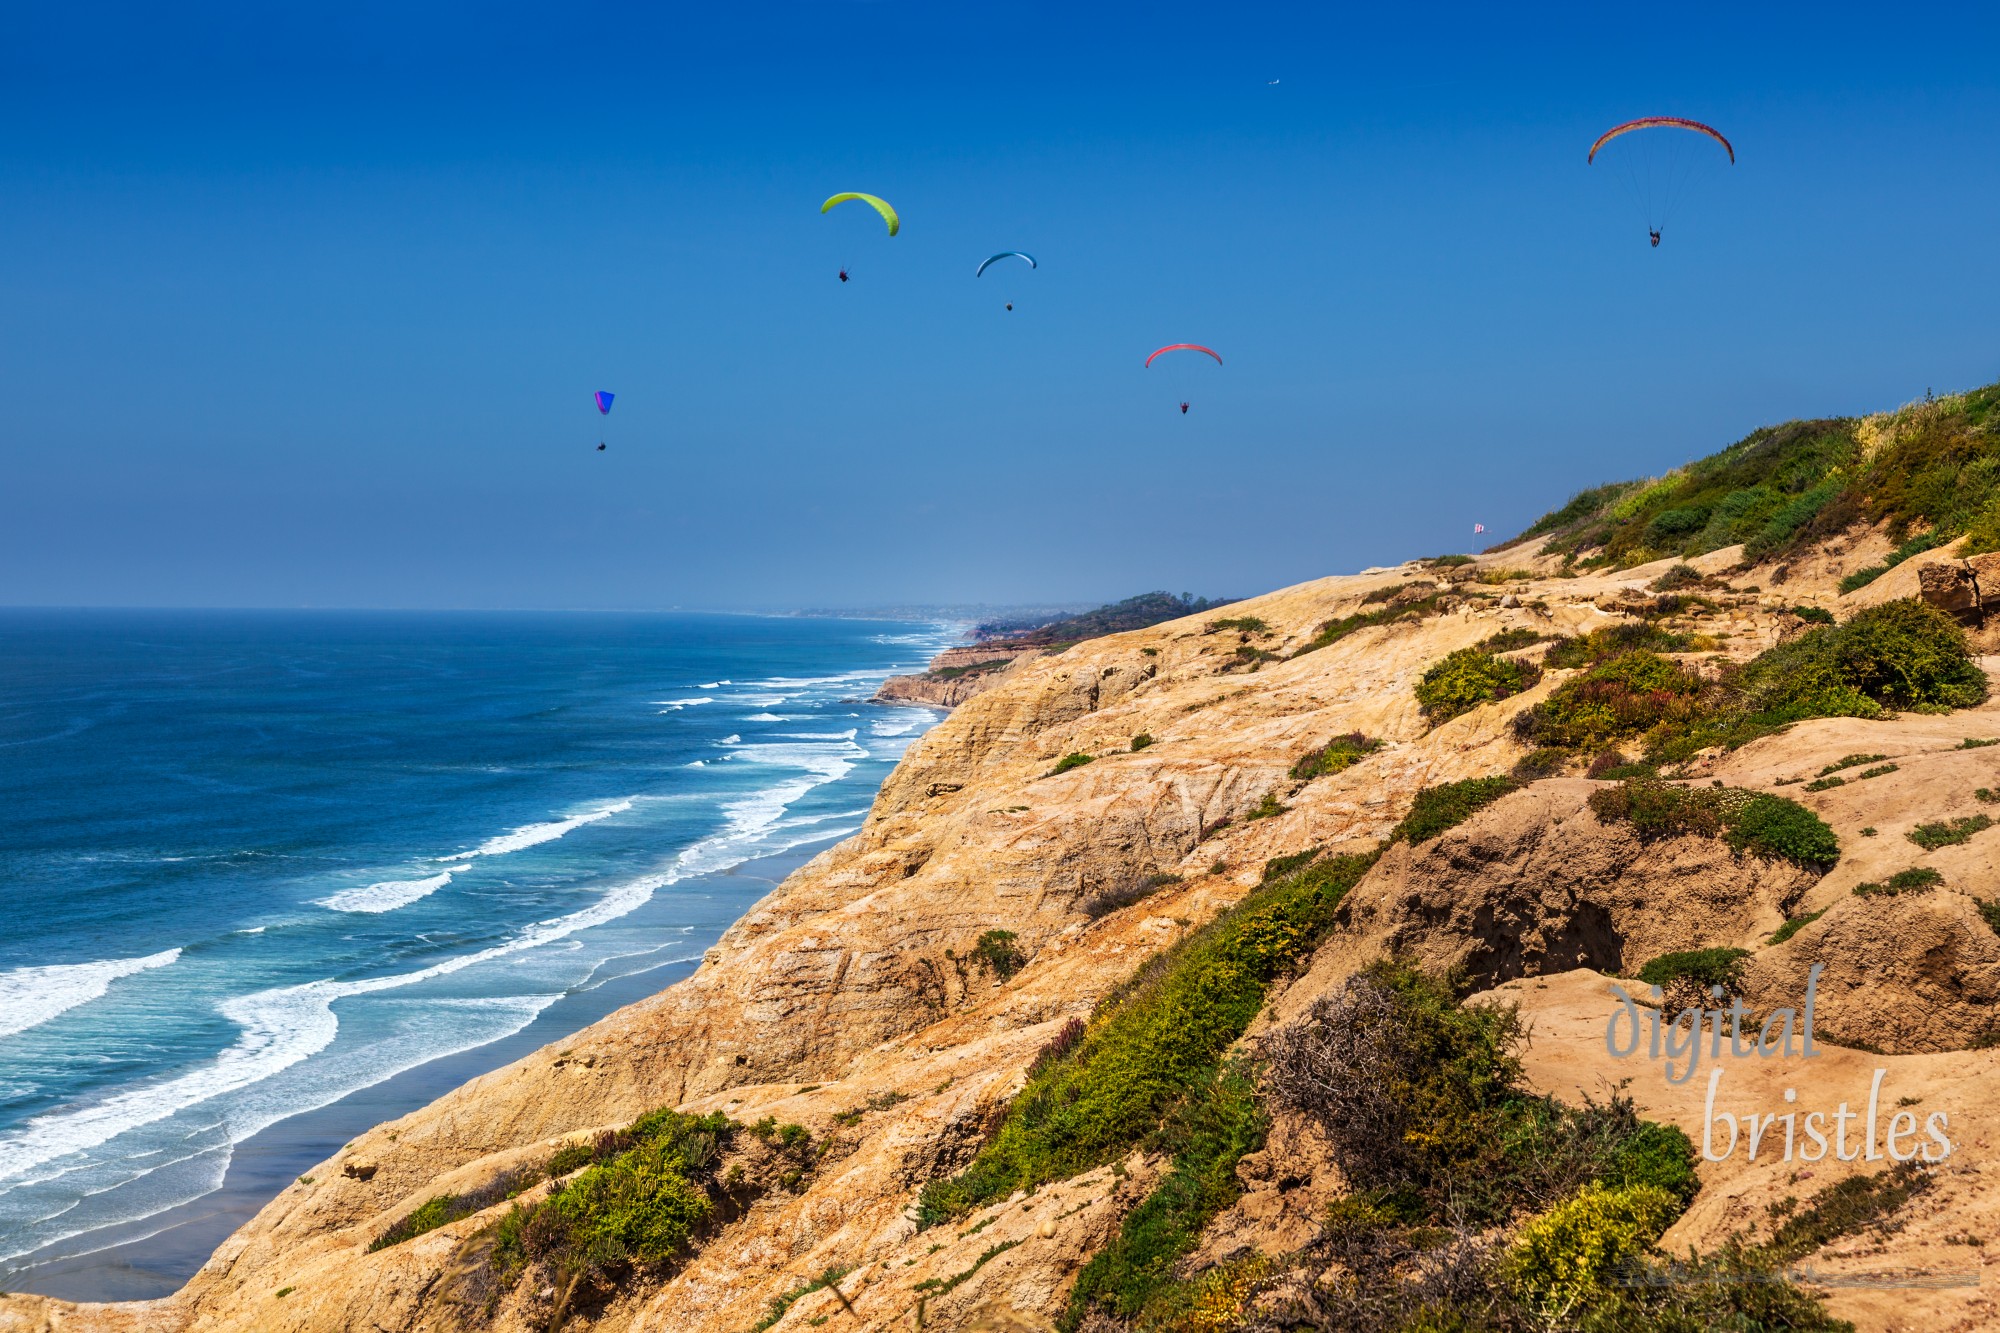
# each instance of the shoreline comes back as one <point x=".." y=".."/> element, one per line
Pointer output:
<point x="153" y="1257"/>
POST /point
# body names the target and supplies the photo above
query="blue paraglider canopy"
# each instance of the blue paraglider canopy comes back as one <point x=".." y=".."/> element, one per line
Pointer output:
<point x="604" y="398"/>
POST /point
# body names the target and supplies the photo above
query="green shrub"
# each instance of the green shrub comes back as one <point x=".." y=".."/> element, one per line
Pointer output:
<point x="1601" y="645"/>
<point x="781" y="1305"/>
<point x="1165" y="1034"/>
<point x="1948" y="833"/>
<point x="1813" y="615"/>
<point x="437" y="1211"/>
<point x="1843" y="1208"/>
<point x="1900" y="654"/>
<point x="1656" y="1156"/>
<point x="1448" y="561"/>
<point x="1243" y="624"/>
<point x="1470" y="677"/>
<point x="1539" y="764"/>
<point x="1509" y="639"/>
<point x="1705" y="967"/>
<point x="1861" y="578"/>
<point x="1420" y="1098"/>
<point x="1337" y="755"/>
<point x="1437" y="809"/>
<point x="1268" y="808"/>
<point x="1787" y="522"/>
<point x="1333" y="631"/>
<point x="643" y="1203"/>
<point x="1876" y="772"/>
<point x="1627" y="696"/>
<point x="1825" y="784"/>
<point x="1976" y="743"/>
<point x="1141" y="741"/>
<point x="1069" y="761"/>
<point x="1207" y="1135"/>
<point x="997" y="951"/>
<point x="1781" y="830"/>
<point x="571" y="1157"/>
<point x="1851" y="761"/>
<point x="1917" y="879"/>
<point x="1680" y="576"/>
<point x="1658" y="809"/>
<point x="1986" y="794"/>
<point x="1758" y="823"/>
<point x="1564" y="1257"/>
<point x="1280" y="866"/>
<point x="1794" y="925"/>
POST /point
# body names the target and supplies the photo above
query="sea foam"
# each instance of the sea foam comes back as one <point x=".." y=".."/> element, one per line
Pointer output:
<point x="390" y="894"/>
<point x="529" y="835"/>
<point x="31" y="996"/>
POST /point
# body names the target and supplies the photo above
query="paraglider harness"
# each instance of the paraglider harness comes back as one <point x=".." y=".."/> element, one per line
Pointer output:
<point x="1656" y="237"/>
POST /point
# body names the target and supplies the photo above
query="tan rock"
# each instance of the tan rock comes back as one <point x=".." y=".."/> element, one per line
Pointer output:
<point x="853" y="978"/>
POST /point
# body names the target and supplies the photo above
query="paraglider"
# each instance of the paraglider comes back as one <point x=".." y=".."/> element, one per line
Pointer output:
<point x="603" y="398"/>
<point x="1184" y="347"/>
<point x="1658" y="167"/>
<point x="879" y="205"/>
<point x="895" y="224"/>
<point x="985" y="264"/>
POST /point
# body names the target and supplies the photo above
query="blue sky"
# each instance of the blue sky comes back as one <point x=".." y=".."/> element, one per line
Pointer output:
<point x="304" y="305"/>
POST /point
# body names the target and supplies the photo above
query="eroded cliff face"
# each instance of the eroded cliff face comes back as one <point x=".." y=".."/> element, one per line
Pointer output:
<point x="851" y="999"/>
<point x="956" y="674"/>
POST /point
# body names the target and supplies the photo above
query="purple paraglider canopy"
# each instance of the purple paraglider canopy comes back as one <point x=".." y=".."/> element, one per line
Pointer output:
<point x="604" y="401"/>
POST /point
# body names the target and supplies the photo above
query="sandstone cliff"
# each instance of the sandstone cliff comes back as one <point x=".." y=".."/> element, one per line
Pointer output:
<point x="854" y="1000"/>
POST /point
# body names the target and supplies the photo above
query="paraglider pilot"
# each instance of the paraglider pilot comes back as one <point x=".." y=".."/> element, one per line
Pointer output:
<point x="1656" y="237"/>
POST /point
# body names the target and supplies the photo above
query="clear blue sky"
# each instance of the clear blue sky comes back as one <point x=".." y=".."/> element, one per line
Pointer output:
<point x="303" y="304"/>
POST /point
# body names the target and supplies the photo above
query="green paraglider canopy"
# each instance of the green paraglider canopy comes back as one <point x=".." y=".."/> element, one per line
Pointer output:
<point x="879" y="205"/>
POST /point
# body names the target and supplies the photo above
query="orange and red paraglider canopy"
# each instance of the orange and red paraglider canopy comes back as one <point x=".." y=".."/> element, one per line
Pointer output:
<point x="1660" y="122"/>
<point x="1183" y="347"/>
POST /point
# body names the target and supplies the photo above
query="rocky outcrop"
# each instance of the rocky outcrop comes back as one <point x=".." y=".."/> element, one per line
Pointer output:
<point x="955" y="675"/>
<point x="1535" y="884"/>
<point x="1968" y="590"/>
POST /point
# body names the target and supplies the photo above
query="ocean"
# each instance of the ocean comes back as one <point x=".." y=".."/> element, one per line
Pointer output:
<point x="254" y="865"/>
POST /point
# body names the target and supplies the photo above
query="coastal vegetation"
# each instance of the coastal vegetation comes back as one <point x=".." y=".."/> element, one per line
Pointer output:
<point x="1949" y="832"/>
<point x="1434" y="810"/>
<point x="1468" y="678"/>
<point x="1333" y="631"/>
<point x="1898" y="655"/>
<point x="1917" y="879"/>
<point x="1705" y="967"/>
<point x="1156" y="1044"/>
<point x="1930" y="473"/>
<point x="1148" y="608"/>
<point x="1794" y="925"/>
<point x="1763" y="825"/>
<point x="1336" y="756"/>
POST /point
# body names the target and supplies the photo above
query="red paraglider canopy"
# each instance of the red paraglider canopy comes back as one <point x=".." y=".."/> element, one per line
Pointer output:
<point x="1183" y="347"/>
<point x="1651" y="122"/>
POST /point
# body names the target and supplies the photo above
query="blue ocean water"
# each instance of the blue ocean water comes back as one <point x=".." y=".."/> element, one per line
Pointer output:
<point x="253" y="862"/>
